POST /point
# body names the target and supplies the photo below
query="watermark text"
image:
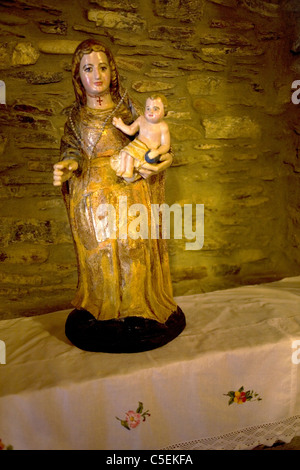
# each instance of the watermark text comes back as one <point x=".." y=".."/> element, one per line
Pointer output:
<point x="2" y="352"/>
<point x="296" y="353"/>
<point x="154" y="221"/>
<point x="296" y="94"/>
<point x="2" y="92"/>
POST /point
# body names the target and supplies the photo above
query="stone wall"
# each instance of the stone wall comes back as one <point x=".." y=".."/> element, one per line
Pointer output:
<point x="226" y="67"/>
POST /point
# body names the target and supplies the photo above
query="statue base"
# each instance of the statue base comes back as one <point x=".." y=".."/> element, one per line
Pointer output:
<point x="126" y="335"/>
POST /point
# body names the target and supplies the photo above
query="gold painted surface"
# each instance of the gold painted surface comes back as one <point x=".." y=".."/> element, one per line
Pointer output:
<point x="117" y="277"/>
<point x="136" y="149"/>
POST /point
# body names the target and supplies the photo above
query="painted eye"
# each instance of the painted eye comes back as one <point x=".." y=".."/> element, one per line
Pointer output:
<point x="87" y="69"/>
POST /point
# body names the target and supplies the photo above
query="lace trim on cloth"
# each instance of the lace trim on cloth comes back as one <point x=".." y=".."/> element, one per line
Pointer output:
<point x="246" y="439"/>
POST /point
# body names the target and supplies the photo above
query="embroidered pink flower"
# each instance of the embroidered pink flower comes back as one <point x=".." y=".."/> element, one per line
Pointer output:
<point x="133" y="418"/>
<point x="4" y="447"/>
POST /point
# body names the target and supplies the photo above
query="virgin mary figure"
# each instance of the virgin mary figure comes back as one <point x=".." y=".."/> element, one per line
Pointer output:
<point x="124" y="301"/>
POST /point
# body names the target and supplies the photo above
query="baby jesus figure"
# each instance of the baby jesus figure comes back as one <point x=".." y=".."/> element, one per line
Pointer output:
<point x="153" y="138"/>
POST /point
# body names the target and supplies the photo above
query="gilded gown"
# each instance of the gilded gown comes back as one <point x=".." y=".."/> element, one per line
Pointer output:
<point x="118" y="275"/>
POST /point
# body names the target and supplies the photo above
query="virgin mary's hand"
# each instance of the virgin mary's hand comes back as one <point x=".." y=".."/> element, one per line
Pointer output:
<point x="63" y="171"/>
<point x="148" y="169"/>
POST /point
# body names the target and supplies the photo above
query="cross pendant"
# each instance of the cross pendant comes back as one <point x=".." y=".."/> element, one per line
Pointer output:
<point x="99" y="99"/>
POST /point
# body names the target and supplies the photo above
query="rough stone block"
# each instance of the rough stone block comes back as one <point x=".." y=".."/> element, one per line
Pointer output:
<point x="233" y="25"/>
<point x="113" y="19"/>
<point x="222" y="54"/>
<point x="230" y="127"/>
<point x="3" y="142"/>
<point x="11" y="118"/>
<point x="34" y="6"/>
<point x="134" y="65"/>
<point x="35" y="231"/>
<point x="171" y="32"/>
<point x="225" y="3"/>
<point x="203" y="106"/>
<point x="225" y="39"/>
<point x="54" y="27"/>
<point x="124" y="5"/>
<point x="37" y="104"/>
<point x="183" y="133"/>
<point x="38" y="78"/>
<point x="37" y="140"/>
<point x="21" y="279"/>
<point x="267" y="9"/>
<point x="167" y="52"/>
<point x="17" y="54"/>
<point x="23" y="254"/>
<point x="187" y="11"/>
<point x="58" y="46"/>
<point x="143" y="86"/>
<point x="158" y="73"/>
<point x="203" y="85"/>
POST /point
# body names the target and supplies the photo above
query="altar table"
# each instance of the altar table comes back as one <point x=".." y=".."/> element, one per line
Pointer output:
<point x="231" y="380"/>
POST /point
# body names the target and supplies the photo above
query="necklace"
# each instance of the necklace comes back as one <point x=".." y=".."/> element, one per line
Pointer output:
<point x="103" y="125"/>
<point x="99" y="98"/>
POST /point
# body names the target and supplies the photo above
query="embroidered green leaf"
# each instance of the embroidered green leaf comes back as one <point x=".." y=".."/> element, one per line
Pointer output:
<point x="124" y="423"/>
<point x="231" y="401"/>
<point x="140" y="408"/>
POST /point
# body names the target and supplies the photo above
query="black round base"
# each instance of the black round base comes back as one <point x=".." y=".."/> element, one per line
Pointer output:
<point x="126" y="335"/>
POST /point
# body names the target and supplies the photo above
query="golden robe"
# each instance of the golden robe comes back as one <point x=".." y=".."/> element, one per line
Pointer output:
<point x="136" y="149"/>
<point x="118" y="276"/>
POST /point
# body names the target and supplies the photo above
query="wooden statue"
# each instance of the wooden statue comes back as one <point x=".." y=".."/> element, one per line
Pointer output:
<point x="124" y="300"/>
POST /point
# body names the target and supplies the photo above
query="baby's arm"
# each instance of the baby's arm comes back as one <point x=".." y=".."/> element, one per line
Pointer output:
<point x="129" y="130"/>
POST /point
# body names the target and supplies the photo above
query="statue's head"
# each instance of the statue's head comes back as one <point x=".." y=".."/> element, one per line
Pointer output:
<point x="88" y="48"/>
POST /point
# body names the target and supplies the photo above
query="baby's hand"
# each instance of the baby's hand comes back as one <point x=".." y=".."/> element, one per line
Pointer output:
<point x="117" y="122"/>
<point x="153" y="154"/>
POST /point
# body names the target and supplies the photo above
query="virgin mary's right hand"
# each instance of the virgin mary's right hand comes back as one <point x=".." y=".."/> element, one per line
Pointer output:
<point x="150" y="169"/>
<point x="63" y="171"/>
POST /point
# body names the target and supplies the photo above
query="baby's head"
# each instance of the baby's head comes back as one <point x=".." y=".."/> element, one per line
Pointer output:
<point x="156" y="108"/>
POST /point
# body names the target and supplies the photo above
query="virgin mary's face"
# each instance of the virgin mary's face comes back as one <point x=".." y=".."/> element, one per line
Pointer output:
<point x="95" y="73"/>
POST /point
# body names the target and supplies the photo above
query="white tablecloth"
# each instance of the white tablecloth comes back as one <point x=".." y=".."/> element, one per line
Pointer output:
<point x="55" y="396"/>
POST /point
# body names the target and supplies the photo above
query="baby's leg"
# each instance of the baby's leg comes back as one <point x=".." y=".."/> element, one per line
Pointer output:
<point x="128" y="173"/>
<point x="122" y="167"/>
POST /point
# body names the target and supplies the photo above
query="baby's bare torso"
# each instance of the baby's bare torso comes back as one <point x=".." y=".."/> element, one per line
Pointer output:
<point x="150" y="133"/>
